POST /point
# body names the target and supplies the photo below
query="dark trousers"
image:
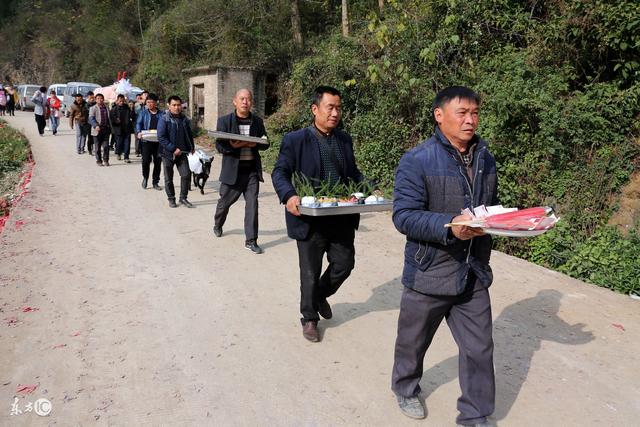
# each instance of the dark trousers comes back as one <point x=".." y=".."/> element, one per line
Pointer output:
<point x="102" y="145"/>
<point x="469" y="318"/>
<point x="337" y="242"/>
<point x="41" y="122"/>
<point x="149" y="154"/>
<point x="138" y="146"/>
<point x="182" y="163"/>
<point x="123" y="144"/>
<point x="247" y="185"/>
<point x="90" y="142"/>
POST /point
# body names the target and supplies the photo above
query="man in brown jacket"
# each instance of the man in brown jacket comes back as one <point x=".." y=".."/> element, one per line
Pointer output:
<point x="79" y="117"/>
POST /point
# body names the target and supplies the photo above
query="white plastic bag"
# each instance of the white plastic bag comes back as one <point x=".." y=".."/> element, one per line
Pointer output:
<point x="194" y="163"/>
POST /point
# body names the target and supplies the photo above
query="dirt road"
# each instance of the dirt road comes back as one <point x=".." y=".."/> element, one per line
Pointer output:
<point x="125" y="312"/>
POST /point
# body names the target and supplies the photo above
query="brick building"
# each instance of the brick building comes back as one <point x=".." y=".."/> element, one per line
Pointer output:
<point x="211" y="91"/>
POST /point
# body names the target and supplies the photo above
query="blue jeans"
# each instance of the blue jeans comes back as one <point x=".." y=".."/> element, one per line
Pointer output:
<point x="82" y="130"/>
<point x="123" y="145"/>
<point x="54" y="121"/>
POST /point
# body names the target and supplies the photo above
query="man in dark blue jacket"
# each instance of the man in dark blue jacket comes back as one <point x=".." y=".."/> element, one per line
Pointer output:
<point x="320" y="152"/>
<point x="176" y="140"/>
<point x="148" y="119"/>
<point x="241" y="171"/>
<point x="446" y="270"/>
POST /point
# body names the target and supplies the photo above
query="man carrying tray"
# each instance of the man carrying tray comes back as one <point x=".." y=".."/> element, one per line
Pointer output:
<point x="320" y="152"/>
<point x="446" y="270"/>
<point x="241" y="171"/>
<point x="148" y="119"/>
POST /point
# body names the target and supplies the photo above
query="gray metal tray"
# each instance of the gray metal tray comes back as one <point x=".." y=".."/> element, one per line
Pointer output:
<point x="237" y="137"/>
<point x="345" y="210"/>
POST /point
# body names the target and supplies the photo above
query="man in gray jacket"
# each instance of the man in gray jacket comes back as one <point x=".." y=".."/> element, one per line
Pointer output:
<point x="446" y="270"/>
<point x="39" y="99"/>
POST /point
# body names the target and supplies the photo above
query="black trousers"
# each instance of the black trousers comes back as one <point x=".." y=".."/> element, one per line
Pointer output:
<point x="150" y="153"/>
<point x="469" y="318"/>
<point x="336" y="241"/>
<point x="182" y="164"/>
<point x="41" y="122"/>
<point x="102" y="145"/>
<point x="247" y="185"/>
<point x="90" y="142"/>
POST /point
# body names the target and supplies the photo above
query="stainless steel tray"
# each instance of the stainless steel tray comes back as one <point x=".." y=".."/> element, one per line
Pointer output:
<point x="345" y="210"/>
<point x="237" y="137"/>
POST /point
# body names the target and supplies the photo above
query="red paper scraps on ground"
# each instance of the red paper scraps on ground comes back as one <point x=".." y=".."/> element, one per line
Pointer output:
<point x="11" y="320"/>
<point x="59" y="346"/>
<point x="39" y="210"/>
<point x="26" y="389"/>
<point x="19" y="224"/>
<point x="618" y="325"/>
<point x="28" y="309"/>
<point x="76" y="334"/>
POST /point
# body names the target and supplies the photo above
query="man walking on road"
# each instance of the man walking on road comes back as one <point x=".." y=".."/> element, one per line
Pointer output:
<point x="148" y="119"/>
<point x="100" y="129"/>
<point x="446" y="270"/>
<point x="79" y="118"/>
<point x="241" y="171"/>
<point x="320" y="152"/>
<point x="39" y="99"/>
<point x="91" y="101"/>
<point x="176" y="141"/>
<point x="122" y="127"/>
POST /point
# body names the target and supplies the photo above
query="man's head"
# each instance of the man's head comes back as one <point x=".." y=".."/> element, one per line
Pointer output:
<point x="243" y="101"/>
<point x="100" y="99"/>
<point x="120" y="99"/>
<point x="91" y="97"/>
<point x="143" y="96"/>
<point x="326" y="107"/>
<point x="77" y="97"/>
<point x="455" y="110"/>
<point x="43" y="89"/>
<point x="152" y="102"/>
<point x="175" y="104"/>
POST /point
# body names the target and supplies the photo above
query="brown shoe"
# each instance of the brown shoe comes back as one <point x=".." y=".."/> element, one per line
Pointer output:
<point x="310" y="331"/>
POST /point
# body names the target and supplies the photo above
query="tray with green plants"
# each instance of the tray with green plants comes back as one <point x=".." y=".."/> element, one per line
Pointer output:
<point x="322" y="198"/>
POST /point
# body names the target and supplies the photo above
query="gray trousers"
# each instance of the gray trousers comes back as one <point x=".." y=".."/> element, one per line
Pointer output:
<point x="469" y="318"/>
<point x="248" y="185"/>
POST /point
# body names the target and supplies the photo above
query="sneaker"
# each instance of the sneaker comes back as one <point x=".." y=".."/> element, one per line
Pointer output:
<point x="172" y="204"/>
<point x="105" y="163"/>
<point x="217" y="231"/>
<point x="186" y="203"/>
<point x="91" y="152"/>
<point x="138" y="154"/>
<point x="127" y="161"/>
<point x="411" y="407"/>
<point x="310" y="330"/>
<point x="253" y="247"/>
<point x="324" y="309"/>
<point x="99" y="163"/>
<point x="144" y="182"/>
<point x="482" y="424"/>
<point x="156" y="187"/>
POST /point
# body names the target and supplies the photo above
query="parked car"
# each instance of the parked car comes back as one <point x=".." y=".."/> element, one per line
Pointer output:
<point x="25" y="92"/>
<point x="60" y="89"/>
<point x="73" y="88"/>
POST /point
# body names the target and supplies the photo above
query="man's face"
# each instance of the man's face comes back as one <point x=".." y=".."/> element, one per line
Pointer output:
<point x="151" y="104"/>
<point x="327" y="114"/>
<point x="243" y="103"/>
<point x="79" y="99"/>
<point x="458" y="120"/>
<point x="91" y="98"/>
<point x="143" y="97"/>
<point x="99" y="100"/>
<point x="120" y="101"/>
<point x="175" y="107"/>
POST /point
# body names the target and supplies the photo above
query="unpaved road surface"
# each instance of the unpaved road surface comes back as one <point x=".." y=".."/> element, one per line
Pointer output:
<point x="137" y="315"/>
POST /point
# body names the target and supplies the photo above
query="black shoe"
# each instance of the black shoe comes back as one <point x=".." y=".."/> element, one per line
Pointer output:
<point x="119" y="156"/>
<point x="217" y="231"/>
<point x="90" y="152"/>
<point x="172" y="204"/>
<point x="156" y="187"/>
<point x="253" y="247"/>
<point x="324" y="309"/>
<point x="144" y="183"/>
<point x="186" y="203"/>
<point x="127" y="161"/>
<point x="105" y="163"/>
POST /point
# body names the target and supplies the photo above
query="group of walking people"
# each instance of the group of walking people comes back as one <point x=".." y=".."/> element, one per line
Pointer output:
<point x="446" y="272"/>
<point x="8" y="100"/>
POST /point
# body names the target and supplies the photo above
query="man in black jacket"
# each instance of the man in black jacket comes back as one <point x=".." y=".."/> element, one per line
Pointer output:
<point x="122" y="126"/>
<point x="320" y="152"/>
<point x="241" y="171"/>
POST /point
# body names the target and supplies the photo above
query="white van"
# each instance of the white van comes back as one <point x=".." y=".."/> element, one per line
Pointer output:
<point x="25" y="93"/>
<point x="73" y="88"/>
<point x="59" y="88"/>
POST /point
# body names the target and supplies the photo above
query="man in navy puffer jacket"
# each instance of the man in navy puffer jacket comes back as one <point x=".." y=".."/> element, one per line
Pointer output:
<point x="446" y="270"/>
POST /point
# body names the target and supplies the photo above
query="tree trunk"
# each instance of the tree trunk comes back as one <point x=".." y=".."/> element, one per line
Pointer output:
<point x="345" y="19"/>
<point x="295" y="24"/>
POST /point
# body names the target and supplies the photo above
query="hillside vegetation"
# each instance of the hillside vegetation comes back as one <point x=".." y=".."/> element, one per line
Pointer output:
<point x="560" y="82"/>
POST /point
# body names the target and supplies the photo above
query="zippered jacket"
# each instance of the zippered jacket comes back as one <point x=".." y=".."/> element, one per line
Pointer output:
<point x="168" y="128"/>
<point x="431" y="188"/>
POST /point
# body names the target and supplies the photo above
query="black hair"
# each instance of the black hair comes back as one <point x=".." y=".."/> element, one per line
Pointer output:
<point x="144" y="91"/>
<point x="100" y="95"/>
<point x="53" y="91"/>
<point x="321" y="90"/>
<point x="43" y="89"/>
<point x="452" y="92"/>
<point x="174" y="98"/>
<point x="153" y="97"/>
<point x="120" y="96"/>
<point x="90" y="93"/>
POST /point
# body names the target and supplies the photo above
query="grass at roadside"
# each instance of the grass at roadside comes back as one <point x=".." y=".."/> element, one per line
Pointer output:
<point x="14" y="152"/>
